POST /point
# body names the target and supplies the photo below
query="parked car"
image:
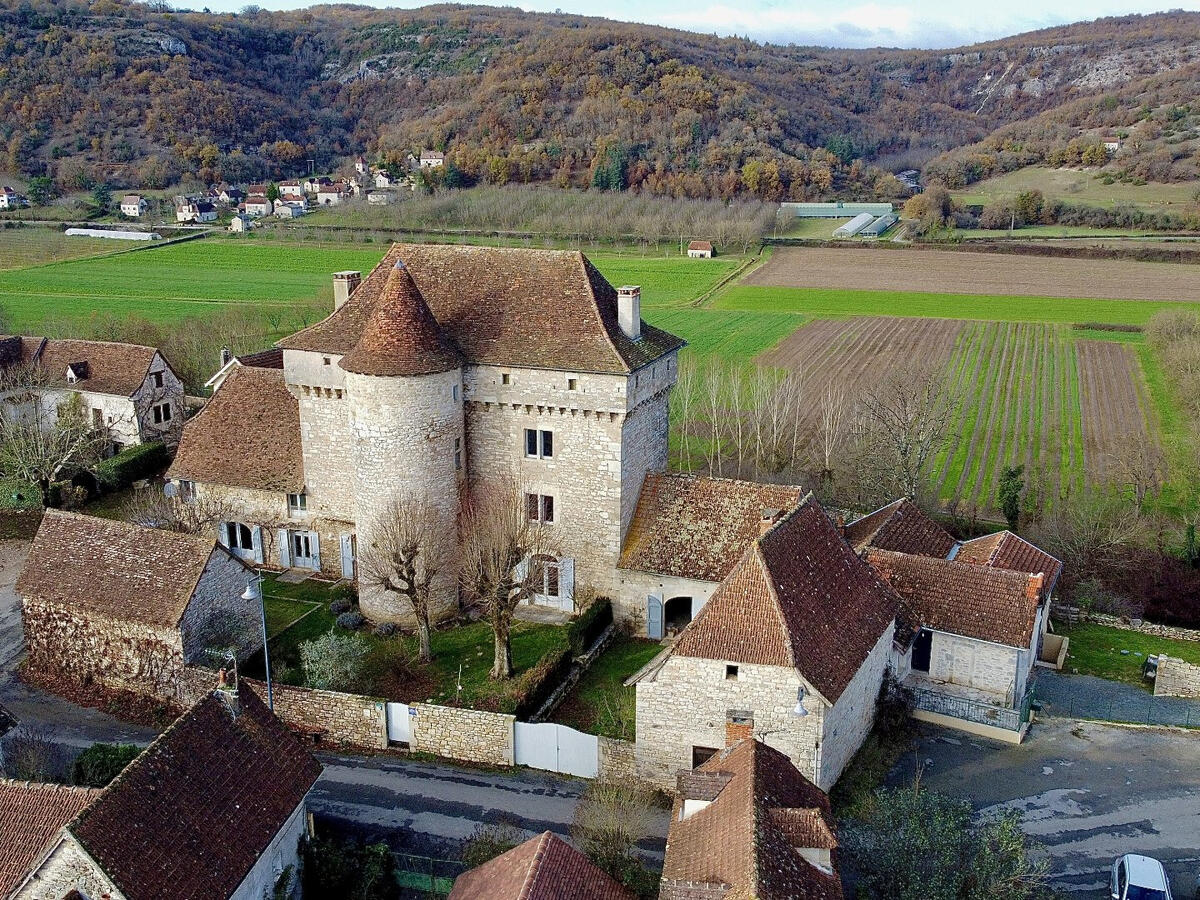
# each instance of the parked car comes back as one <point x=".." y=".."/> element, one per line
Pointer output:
<point x="1139" y="878"/>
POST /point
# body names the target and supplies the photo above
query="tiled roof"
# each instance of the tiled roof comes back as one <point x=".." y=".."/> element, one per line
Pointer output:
<point x="112" y="368"/>
<point x="700" y="245"/>
<point x="693" y="526"/>
<point x="903" y="527"/>
<point x="271" y="358"/>
<point x="190" y="816"/>
<point x="401" y="336"/>
<point x="1005" y="550"/>
<point x="503" y="306"/>
<point x="543" y="868"/>
<point x="123" y="571"/>
<point x="247" y="435"/>
<point x="31" y="817"/>
<point x="745" y="843"/>
<point x="800" y="598"/>
<point x="962" y="598"/>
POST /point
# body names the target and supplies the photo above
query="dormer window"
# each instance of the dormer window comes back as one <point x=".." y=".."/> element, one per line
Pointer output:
<point x="156" y="378"/>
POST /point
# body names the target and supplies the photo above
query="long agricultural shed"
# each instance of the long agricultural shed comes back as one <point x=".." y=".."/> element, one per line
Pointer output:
<point x="880" y="225"/>
<point x="838" y="210"/>
<point x="113" y="234"/>
<point x="855" y="225"/>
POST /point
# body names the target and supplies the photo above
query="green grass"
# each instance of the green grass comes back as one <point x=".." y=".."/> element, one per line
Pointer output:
<point x="812" y="229"/>
<point x="282" y="613"/>
<point x="600" y="703"/>
<point x="1050" y="231"/>
<point x="824" y="303"/>
<point x="664" y="281"/>
<point x="1075" y="186"/>
<point x="1096" y="650"/>
<point x="735" y="335"/>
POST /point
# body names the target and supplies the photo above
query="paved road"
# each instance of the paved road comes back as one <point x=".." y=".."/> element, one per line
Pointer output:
<point x="431" y="808"/>
<point x="1088" y="792"/>
<point x="1089" y="697"/>
<point x="71" y="727"/>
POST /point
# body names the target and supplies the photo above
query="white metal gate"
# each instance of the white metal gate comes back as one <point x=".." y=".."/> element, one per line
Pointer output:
<point x="398" y="729"/>
<point x="556" y="748"/>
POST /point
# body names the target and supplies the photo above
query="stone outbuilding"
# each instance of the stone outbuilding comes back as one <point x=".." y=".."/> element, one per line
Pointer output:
<point x="214" y="808"/>
<point x="543" y="868"/>
<point x="746" y="823"/>
<point x="792" y="647"/>
<point x="700" y="250"/>
<point x="126" y="607"/>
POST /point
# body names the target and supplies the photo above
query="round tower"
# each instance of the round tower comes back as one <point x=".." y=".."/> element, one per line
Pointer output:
<point x="404" y="389"/>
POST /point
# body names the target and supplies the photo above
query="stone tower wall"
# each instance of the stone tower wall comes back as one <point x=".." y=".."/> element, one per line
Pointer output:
<point x="320" y="388"/>
<point x="402" y="434"/>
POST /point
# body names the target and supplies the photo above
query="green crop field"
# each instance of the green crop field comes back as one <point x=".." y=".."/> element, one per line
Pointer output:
<point x="33" y="246"/>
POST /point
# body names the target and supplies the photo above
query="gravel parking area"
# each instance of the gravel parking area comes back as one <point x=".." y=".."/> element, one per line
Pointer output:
<point x="1088" y="792"/>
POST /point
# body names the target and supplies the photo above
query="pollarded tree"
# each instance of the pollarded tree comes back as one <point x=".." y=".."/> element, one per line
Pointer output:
<point x="409" y="551"/>
<point x="152" y="508"/>
<point x="500" y="543"/>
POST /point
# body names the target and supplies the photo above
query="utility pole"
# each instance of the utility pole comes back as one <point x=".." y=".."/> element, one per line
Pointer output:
<point x="254" y="591"/>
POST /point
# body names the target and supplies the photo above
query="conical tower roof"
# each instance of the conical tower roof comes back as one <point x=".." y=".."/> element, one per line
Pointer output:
<point x="401" y="336"/>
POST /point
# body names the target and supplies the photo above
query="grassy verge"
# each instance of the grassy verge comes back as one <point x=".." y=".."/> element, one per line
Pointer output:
<point x="600" y="703"/>
<point x="876" y="757"/>
<point x="1096" y="650"/>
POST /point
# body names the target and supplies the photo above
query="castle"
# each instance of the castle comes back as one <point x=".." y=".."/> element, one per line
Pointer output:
<point x="447" y="365"/>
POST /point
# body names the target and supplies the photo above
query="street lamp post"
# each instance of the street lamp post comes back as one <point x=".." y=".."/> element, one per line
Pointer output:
<point x="254" y="591"/>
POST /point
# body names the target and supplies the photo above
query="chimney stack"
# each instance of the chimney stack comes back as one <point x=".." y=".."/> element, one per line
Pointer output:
<point x="1033" y="589"/>
<point x="226" y="356"/>
<point x="768" y="519"/>
<point x="629" y="311"/>
<point x="344" y="284"/>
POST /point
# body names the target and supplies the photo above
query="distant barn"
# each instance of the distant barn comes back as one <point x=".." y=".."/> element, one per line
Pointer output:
<point x="700" y="250"/>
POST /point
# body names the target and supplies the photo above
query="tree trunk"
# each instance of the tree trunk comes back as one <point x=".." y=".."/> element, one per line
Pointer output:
<point x="502" y="667"/>
<point x="426" y="654"/>
<point x="44" y="487"/>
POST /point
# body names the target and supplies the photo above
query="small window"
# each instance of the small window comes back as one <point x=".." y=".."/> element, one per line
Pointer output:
<point x="158" y="379"/>
<point x="731" y="673"/>
<point x="325" y="361"/>
<point x="539" y="508"/>
<point x="298" y="502"/>
<point x="539" y="443"/>
<point x="161" y="413"/>
<point x="454" y="392"/>
<point x="531" y="442"/>
<point x="505" y="378"/>
<point x="457" y="454"/>
<point x="547" y="443"/>
<point x="572" y="384"/>
<point x="547" y="509"/>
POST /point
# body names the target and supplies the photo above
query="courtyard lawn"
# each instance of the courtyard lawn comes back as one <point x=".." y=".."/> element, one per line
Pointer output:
<point x="600" y="703"/>
<point x="1096" y="650"/>
<point x="282" y="613"/>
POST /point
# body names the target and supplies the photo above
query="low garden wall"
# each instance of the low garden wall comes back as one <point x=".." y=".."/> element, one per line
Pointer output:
<point x="1176" y="678"/>
<point x="1174" y="632"/>
<point x="467" y="734"/>
<point x="618" y="759"/>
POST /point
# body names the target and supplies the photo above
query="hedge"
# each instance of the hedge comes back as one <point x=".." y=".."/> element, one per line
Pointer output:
<point x="583" y="630"/>
<point x="138" y="461"/>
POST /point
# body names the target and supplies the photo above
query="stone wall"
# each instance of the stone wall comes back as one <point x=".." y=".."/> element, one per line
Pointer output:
<point x="466" y="734"/>
<point x="850" y="720"/>
<point x="977" y="664"/>
<point x="68" y="868"/>
<point x="1165" y="631"/>
<point x="1176" y="678"/>
<point x="148" y="396"/>
<point x="618" y="759"/>
<point x="629" y="600"/>
<point x="346" y="720"/>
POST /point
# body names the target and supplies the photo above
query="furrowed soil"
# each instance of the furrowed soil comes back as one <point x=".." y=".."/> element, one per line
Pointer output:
<point x="1117" y="413"/>
<point x="954" y="272"/>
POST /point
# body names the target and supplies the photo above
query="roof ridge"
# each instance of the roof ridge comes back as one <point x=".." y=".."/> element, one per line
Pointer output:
<point x="535" y="865"/>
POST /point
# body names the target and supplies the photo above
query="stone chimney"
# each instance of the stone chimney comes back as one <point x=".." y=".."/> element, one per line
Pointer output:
<point x="769" y="518"/>
<point x="629" y="311"/>
<point x="1033" y="589"/>
<point x="226" y="356"/>
<point x="344" y="284"/>
<point x="739" y="726"/>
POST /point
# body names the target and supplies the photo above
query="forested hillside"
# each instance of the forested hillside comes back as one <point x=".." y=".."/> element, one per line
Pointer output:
<point x="137" y="95"/>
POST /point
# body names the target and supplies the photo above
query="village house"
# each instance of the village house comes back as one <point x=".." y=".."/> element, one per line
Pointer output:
<point x="700" y="250"/>
<point x="747" y="823"/>
<point x="793" y="647"/>
<point x="379" y="198"/>
<point x="257" y="206"/>
<point x="10" y="199"/>
<point x="383" y="179"/>
<point x="241" y="223"/>
<point x="125" y="607"/>
<point x="297" y="200"/>
<point x="360" y="165"/>
<point x="447" y="364"/>
<point x="128" y="391"/>
<point x="196" y="211"/>
<point x="133" y="206"/>
<point x="33" y="815"/>
<point x="545" y="867"/>
<point x="432" y="159"/>
<point x="288" y="210"/>
<point x="231" y="196"/>
<point x="292" y="186"/>
<point x="332" y="194"/>
<point x="215" y="807"/>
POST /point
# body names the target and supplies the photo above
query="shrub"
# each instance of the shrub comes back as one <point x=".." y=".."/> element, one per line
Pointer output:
<point x="385" y="629"/>
<point x="138" y="461"/>
<point x="344" y="592"/>
<point x="334" y="868"/>
<point x="99" y="764"/>
<point x="589" y="624"/>
<point x="610" y="818"/>
<point x="339" y="605"/>
<point x="351" y="621"/>
<point x="489" y="841"/>
<point x="538" y="683"/>
<point x="333" y="661"/>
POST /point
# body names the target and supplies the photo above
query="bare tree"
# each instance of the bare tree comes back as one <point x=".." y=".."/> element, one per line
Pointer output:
<point x="152" y="508"/>
<point x="409" y="551"/>
<point x="714" y="390"/>
<point x="907" y="416"/>
<point x="1140" y="465"/>
<point x="500" y="547"/>
<point x="683" y="399"/>
<point x="1086" y="529"/>
<point x="39" y="446"/>
<point x="832" y="426"/>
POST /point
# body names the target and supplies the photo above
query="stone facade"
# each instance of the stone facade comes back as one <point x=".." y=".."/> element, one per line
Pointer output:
<point x="853" y="715"/>
<point x="217" y="616"/>
<point x="283" y="851"/>
<point x="68" y="868"/>
<point x="629" y="600"/>
<point x="346" y="720"/>
<point x="466" y="734"/>
<point x="1176" y="678"/>
<point x="618" y="759"/>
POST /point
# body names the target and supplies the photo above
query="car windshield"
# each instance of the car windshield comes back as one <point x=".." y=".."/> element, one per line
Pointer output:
<point x="1143" y="893"/>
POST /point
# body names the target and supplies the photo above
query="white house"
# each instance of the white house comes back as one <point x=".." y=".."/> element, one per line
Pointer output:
<point x="379" y="198"/>
<point x="700" y="250"/>
<point x="288" y="211"/>
<point x="241" y="223"/>
<point x="432" y="159"/>
<point x="257" y="206"/>
<point x="198" y="211"/>
<point x="291" y="186"/>
<point x="332" y="194"/>
<point x="133" y="206"/>
<point x="10" y="199"/>
<point x="383" y="179"/>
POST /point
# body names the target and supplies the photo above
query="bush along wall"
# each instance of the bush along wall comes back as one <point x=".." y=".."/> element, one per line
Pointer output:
<point x="126" y="467"/>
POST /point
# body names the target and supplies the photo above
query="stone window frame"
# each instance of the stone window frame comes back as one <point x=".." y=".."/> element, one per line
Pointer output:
<point x="572" y="384"/>
<point x="551" y="575"/>
<point x="297" y="502"/>
<point x="539" y="508"/>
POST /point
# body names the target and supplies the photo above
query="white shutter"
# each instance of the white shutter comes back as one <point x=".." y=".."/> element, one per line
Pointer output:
<point x="223" y="534"/>
<point x="315" y="540"/>
<point x="285" y="548"/>
<point x="654" y="617"/>
<point x="347" y="556"/>
<point x="256" y="547"/>
<point x="170" y="489"/>
<point x="566" y="583"/>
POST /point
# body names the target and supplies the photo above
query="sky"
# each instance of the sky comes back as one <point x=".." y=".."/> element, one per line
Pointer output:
<point x="849" y="23"/>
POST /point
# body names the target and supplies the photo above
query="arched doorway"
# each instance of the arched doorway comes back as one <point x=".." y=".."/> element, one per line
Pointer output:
<point x="677" y="612"/>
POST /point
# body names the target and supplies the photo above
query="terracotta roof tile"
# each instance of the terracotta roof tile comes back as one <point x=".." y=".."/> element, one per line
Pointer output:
<point x="122" y="571"/>
<point x="31" y="817"/>
<point x="1005" y="550"/>
<point x="191" y="815"/>
<point x="112" y="368"/>
<point x="962" y="598"/>
<point x="903" y="527"/>
<point x="271" y="358"/>
<point x="247" y="435"/>
<point x="799" y="597"/>
<point x="401" y="337"/>
<point x="745" y="843"/>
<point x="502" y="306"/>
<point x="693" y="526"/>
<point x="543" y="868"/>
